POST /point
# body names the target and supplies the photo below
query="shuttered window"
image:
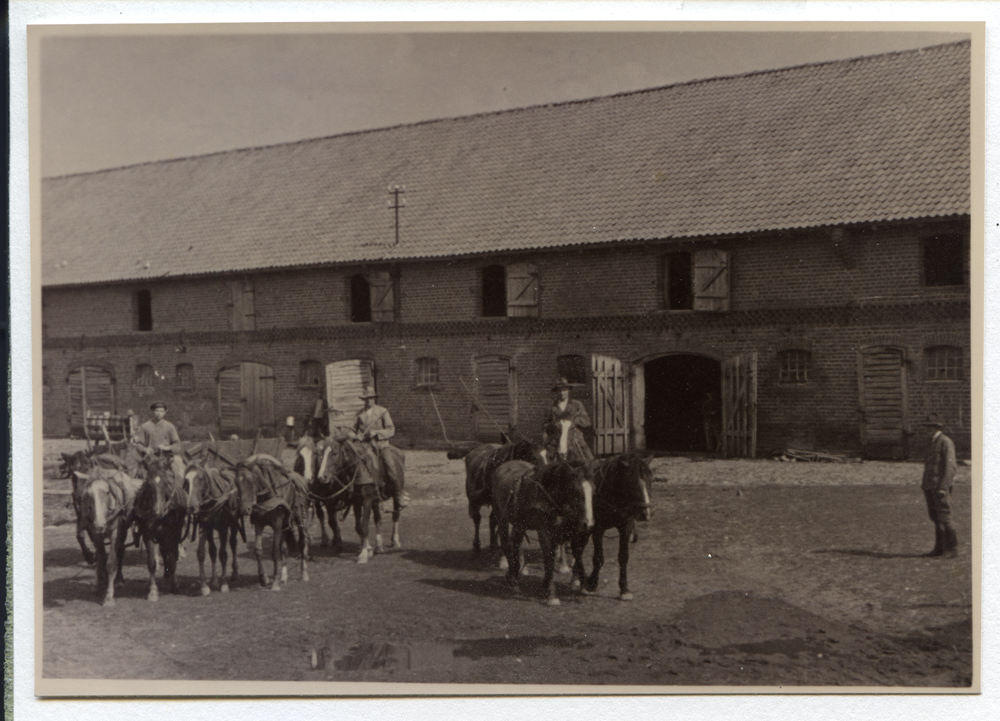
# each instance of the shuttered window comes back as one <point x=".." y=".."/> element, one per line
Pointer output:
<point x="943" y="363"/>
<point x="676" y="274"/>
<point x="522" y="290"/>
<point x="383" y="308"/>
<point x="144" y="310"/>
<point x="944" y="259"/>
<point x="91" y="391"/>
<point x="711" y="280"/>
<point x="361" y="300"/>
<point x="494" y="291"/>
<point x="184" y="377"/>
<point x="793" y="366"/>
<point x="427" y="372"/>
<point x="242" y="304"/>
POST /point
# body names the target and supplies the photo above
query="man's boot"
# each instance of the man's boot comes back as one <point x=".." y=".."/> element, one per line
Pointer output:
<point x="938" y="543"/>
<point x="950" y="548"/>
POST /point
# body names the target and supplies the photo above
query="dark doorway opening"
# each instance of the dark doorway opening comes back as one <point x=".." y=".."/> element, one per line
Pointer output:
<point x="681" y="392"/>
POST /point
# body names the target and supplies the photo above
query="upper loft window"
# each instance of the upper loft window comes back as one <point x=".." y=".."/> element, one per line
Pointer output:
<point x="697" y="280"/>
<point x="944" y="259"/>
<point x="510" y="290"/>
<point x="793" y="366"/>
<point x="943" y="363"/>
<point x="373" y="297"/>
<point x="144" y="309"/>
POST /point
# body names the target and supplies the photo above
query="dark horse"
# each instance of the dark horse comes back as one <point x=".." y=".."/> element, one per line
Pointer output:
<point x="358" y="469"/>
<point x="161" y="514"/>
<point x="481" y="464"/>
<point x="279" y="500"/>
<point x="622" y="490"/>
<point x="221" y="504"/>
<point x="317" y="462"/>
<point x="555" y="500"/>
<point x="104" y="500"/>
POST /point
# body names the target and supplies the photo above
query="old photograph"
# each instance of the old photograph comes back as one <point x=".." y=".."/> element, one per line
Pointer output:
<point x="507" y="359"/>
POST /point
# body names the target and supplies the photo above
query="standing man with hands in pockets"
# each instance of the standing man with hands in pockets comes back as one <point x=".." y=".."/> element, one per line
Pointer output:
<point x="939" y="476"/>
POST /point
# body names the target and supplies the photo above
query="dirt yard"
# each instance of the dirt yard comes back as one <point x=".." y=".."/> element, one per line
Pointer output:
<point x="751" y="573"/>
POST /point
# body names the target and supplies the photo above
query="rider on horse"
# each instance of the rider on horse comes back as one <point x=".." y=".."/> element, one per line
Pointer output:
<point x="374" y="426"/>
<point x="562" y="428"/>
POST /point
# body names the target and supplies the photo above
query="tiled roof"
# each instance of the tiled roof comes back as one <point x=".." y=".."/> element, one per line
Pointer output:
<point x="870" y="139"/>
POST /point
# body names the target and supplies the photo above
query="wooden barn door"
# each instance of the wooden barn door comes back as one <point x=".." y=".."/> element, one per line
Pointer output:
<point x="91" y="392"/>
<point x="739" y="406"/>
<point x="611" y="405"/>
<point x="345" y="381"/>
<point x="882" y="389"/>
<point x="246" y="399"/>
<point x="494" y="389"/>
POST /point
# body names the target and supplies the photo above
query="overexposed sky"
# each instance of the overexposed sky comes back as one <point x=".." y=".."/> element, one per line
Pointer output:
<point x="109" y="101"/>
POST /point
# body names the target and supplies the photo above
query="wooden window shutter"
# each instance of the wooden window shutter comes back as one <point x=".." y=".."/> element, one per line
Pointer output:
<point x="711" y="280"/>
<point x="382" y="296"/>
<point x="241" y="304"/>
<point x="522" y="290"/>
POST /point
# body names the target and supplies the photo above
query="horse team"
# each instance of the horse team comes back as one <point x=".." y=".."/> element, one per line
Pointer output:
<point x="210" y="497"/>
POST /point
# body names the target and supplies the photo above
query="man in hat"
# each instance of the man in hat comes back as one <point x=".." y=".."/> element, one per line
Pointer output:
<point x="159" y="434"/>
<point x="939" y="476"/>
<point x="562" y="427"/>
<point x="374" y="425"/>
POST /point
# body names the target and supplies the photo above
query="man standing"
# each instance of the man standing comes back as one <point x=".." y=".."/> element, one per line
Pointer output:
<point x="939" y="476"/>
<point x="374" y="426"/>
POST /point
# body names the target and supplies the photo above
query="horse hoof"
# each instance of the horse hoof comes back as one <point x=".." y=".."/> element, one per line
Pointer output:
<point x="305" y="576"/>
<point x="564" y="570"/>
<point x="476" y="552"/>
<point x="109" y="603"/>
<point x="224" y="588"/>
<point x="626" y="597"/>
<point x="553" y="602"/>
<point x="503" y="565"/>
<point x="525" y="571"/>
<point x="264" y="581"/>
<point x="575" y="585"/>
<point x="205" y="591"/>
<point x="153" y="597"/>
<point x="363" y="556"/>
<point x="276" y="586"/>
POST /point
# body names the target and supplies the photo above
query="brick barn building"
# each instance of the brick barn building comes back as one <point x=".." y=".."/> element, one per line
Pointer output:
<point x="789" y="248"/>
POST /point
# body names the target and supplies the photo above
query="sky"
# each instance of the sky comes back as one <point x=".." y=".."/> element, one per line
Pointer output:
<point x="110" y="101"/>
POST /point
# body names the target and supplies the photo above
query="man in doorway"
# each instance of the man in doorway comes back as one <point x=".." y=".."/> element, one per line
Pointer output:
<point x="374" y="426"/>
<point x="563" y="426"/>
<point x="939" y="476"/>
<point x="711" y="416"/>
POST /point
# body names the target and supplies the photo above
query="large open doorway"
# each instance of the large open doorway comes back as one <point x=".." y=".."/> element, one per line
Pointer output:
<point x="681" y="391"/>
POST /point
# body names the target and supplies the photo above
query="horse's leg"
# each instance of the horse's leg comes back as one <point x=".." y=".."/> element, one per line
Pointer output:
<point x="170" y="552"/>
<point x="338" y="541"/>
<point x="213" y="552"/>
<point x="227" y="533"/>
<point x="477" y="517"/>
<point x="362" y="516"/>
<point x="322" y="515"/>
<point x="223" y="530"/>
<point x="377" y="520"/>
<point x="278" y="552"/>
<point x="101" y="561"/>
<point x="577" y="545"/>
<point x="202" y="541"/>
<point x="624" y="537"/>
<point x="394" y="541"/>
<point x="304" y="547"/>
<point x="81" y="538"/>
<point x="512" y="546"/>
<point x="152" y="556"/>
<point x="119" y="541"/>
<point x="494" y="523"/>
<point x="563" y="563"/>
<point x="549" y="560"/>
<point x="258" y="552"/>
<point x="591" y="584"/>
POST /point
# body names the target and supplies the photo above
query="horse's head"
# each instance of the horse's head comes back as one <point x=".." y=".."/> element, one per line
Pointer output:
<point x="525" y="450"/>
<point x="162" y="491"/>
<point x="631" y="474"/>
<point x="246" y="487"/>
<point x="74" y="462"/>
<point x="572" y="491"/>
<point x="92" y="495"/>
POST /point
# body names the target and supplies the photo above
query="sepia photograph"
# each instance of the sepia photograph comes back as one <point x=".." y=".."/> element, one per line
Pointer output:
<point x="500" y="359"/>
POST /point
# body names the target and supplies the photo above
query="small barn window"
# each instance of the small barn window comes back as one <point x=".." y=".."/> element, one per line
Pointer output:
<point x="677" y="287"/>
<point x="793" y="366"/>
<point x="310" y="374"/>
<point x="144" y="309"/>
<point x="184" y="377"/>
<point x="144" y="375"/>
<point x="494" y="291"/>
<point x="427" y="372"/>
<point x="943" y="363"/>
<point x="574" y="368"/>
<point x="944" y="259"/>
<point x="361" y="300"/>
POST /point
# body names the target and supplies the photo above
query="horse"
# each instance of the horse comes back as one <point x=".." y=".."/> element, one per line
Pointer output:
<point x="104" y="500"/>
<point x="622" y="492"/>
<point x="480" y="465"/>
<point x="85" y="461"/>
<point x="317" y="463"/>
<point x="220" y="503"/>
<point x="555" y="500"/>
<point x="279" y="500"/>
<point x="160" y="513"/>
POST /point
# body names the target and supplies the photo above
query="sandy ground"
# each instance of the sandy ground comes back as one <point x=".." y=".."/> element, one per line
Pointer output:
<point x="751" y="573"/>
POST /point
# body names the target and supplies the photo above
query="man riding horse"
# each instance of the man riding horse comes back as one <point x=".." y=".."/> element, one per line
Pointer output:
<point x="374" y="426"/>
<point x="562" y="428"/>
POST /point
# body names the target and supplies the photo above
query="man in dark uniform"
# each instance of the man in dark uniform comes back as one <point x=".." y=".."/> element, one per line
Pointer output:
<point x="939" y="476"/>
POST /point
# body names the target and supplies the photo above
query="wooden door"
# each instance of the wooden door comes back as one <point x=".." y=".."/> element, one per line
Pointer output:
<point x="91" y="391"/>
<point x="246" y="399"/>
<point x="345" y="381"/>
<point x="739" y="406"/>
<point x="611" y="406"/>
<point x="493" y="413"/>
<point x="883" y="402"/>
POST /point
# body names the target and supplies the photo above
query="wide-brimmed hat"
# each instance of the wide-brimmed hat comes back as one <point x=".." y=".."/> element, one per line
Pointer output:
<point x="561" y="383"/>
<point x="158" y="404"/>
<point x="933" y="419"/>
<point x="368" y="393"/>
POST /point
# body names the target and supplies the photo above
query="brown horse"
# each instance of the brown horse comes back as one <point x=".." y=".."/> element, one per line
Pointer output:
<point x="104" y="499"/>
<point x="317" y="462"/>
<point x="622" y="493"/>
<point x="555" y="500"/>
<point x="480" y="465"/>
<point x="280" y="500"/>
<point x="221" y="505"/>
<point x="358" y="468"/>
<point x="160" y="513"/>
